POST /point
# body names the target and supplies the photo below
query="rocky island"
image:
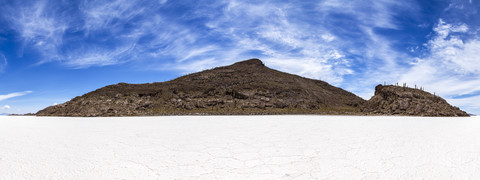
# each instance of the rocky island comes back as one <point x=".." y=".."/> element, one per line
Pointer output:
<point x="245" y="88"/>
<point x="400" y="100"/>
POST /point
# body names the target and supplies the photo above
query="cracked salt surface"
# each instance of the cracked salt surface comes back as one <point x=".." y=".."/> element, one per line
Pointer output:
<point x="240" y="147"/>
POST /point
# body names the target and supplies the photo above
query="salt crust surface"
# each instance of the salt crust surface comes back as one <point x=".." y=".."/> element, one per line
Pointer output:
<point x="240" y="147"/>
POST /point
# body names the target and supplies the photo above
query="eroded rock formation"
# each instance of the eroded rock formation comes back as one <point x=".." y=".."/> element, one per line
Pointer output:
<point x="396" y="100"/>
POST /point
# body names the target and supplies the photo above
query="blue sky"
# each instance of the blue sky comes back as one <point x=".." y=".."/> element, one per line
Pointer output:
<point x="52" y="51"/>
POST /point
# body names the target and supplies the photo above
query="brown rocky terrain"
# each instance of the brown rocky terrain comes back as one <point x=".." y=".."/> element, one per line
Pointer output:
<point x="247" y="87"/>
<point x="396" y="100"/>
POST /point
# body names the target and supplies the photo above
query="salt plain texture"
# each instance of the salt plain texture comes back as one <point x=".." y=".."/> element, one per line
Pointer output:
<point x="240" y="147"/>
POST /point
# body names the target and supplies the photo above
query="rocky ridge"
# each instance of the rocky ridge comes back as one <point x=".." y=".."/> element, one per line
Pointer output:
<point x="397" y="100"/>
<point x="247" y="87"/>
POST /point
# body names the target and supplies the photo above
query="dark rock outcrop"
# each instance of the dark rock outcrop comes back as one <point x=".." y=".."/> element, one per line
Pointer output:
<point x="396" y="100"/>
<point x="247" y="87"/>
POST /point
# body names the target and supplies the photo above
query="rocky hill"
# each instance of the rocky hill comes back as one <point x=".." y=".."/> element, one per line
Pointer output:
<point x="396" y="100"/>
<point x="247" y="87"/>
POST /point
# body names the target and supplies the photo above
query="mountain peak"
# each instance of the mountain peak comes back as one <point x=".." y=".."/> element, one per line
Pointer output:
<point x="250" y="62"/>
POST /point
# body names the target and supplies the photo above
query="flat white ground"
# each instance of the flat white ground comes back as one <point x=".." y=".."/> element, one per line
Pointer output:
<point x="240" y="147"/>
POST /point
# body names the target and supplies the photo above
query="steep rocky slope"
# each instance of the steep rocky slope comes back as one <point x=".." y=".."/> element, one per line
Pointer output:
<point x="396" y="100"/>
<point x="247" y="87"/>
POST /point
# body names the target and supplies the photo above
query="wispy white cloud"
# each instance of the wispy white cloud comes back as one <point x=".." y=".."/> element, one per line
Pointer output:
<point x="280" y="33"/>
<point x="451" y="68"/>
<point x="97" y="56"/>
<point x="197" y="52"/>
<point x="102" y="33"/>
<point x="5" y="107"/>
<point x="339" y="41"/>
<point x="101" y="38"/>
<point x="308" y="46"/>
<point x="377" y="60"/>
<point x="101" y="15"/>
<point x="270" y="29"/>
<point x="36" y="27"/>
<point x="12" y="95"/>
<point x="120" y="31"/>
<point x="370" y="13"/>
